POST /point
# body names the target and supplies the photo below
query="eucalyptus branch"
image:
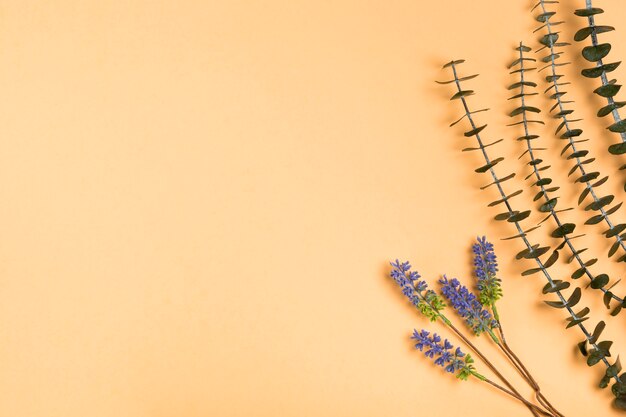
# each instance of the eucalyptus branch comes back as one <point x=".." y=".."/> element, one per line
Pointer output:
<point x="596" y="53"/>
<point x="588" y="179"/>
<point x="548" y="202"/>
<point x="600" y="350"/>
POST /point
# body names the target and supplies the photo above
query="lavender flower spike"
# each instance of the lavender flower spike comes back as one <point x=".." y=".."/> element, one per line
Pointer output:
<point x="467" y="306"/>
<point x="443" y="354"/>
<point x="416" y="290"/>
<point x="486" y="269"/>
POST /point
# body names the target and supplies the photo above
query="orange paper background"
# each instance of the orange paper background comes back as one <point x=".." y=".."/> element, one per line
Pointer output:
<point x="199" y="200"/>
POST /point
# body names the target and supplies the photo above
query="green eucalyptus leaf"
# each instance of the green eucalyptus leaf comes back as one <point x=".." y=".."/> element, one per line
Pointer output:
<point x="543" y="181"/>
<point x="596" y="72"/>
<point x="563" y="113"/>
<point x="606" y="110"/>
<point x="579" y="272"/>
<point x="571" y="133"/>
<point x="582" y="34"/>
<point x="502" y="200"/>
<point x="551" y="260"/>
<point x="574" y="298"/>
<point x="578" y="154"/>
<point x="596" y="52"/>
<point x="606" y="299"/>
<point x="524" y="84"/>
<point x="539" y="195"/>
<point x="585" y="32"/>
<point x="597" y="332"/>
<point x="555" y="304"/>
<point x="583" y="312"/>
<point x="574" y="322"/>
<point x="558" y="286"/>
<point x="599" y="281"/>
<point x="588" y="12"/>
<point x="619" y="127"/>
<point x="615" y="230"/>
<point x="548" y="206"/>
<point x="620" y="403"/>
<point x="576" y="253"/>
<point x="594" y="357"/>
<point x="519" y="216"/>
<point x="614" y="370"/>
<point x="601" y="202"/>
<point x="608" y="90"/>
<point x="475" y="131"/>
<point x="461" y="94"/>
<point x="531" y="272"/>
<point x="536" y="252"/>
<point x="544" y="17"/>
<point x="619" y="388"/>
<point x="600" y="181"/>
<point x="488" y="166"/>
<point x="595" y="219"/>
<point x="591" y="262"/>
<point x="582" y="196"/>
<point x="549" y="39"/>
<point x="564" y="230"/>
<point x="614" y="248"/>
<point x="590" y="176"/>
<point x="605" y="347"/>
<point x="618" y="148"/>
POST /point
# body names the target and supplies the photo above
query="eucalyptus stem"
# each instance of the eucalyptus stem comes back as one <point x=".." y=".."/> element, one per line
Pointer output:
<point x="570" y="134"/>
<point x="608" y="89"/>
<point x="549" y="205"/>
<point x="531" y="250"/>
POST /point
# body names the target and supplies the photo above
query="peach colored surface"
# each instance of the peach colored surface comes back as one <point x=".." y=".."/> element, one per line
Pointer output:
<point x="198" y="201"/>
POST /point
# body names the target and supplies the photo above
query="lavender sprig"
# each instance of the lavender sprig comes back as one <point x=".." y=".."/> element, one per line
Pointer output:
<point x="444" y="354"/>
<point x="416" y="290"/>
<point x="467" y="306"/>
<point x="431" y="305"/>
<point x="486" y="269"/>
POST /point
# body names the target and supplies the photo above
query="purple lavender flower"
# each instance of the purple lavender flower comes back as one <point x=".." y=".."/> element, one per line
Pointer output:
<point x="467" y="306"/>
<point x="416" y="290"/>
<point x="485" y="260"/>
<point x="409" y="281"/>
<point x="441" y="352"/>
<point x="422" y="339"/>
<point x="486" y="269"/>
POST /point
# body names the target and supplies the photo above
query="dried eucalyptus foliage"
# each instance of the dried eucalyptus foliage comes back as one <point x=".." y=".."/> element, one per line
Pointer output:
<point x="596" y="53"/>
<point x="595" y="350"/>
<point x="590" y="179"/>
<point x="546" y="189"/>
